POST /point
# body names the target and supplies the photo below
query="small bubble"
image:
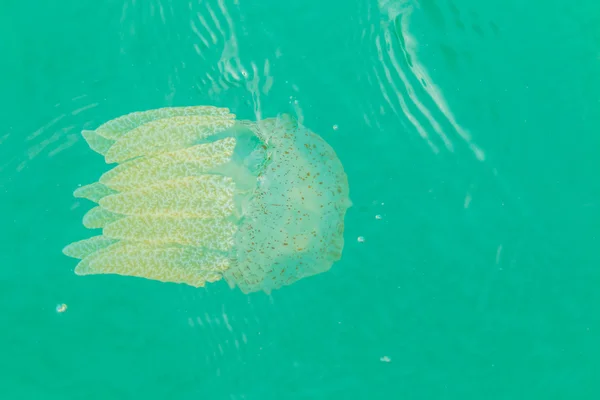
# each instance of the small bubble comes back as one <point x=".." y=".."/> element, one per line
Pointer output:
<point x="378" y="216"/>
<point x="61" y="308"/>
<point x="361" y="239"/>
<point x="385" y="359"/>
<point x="335" y="127"/>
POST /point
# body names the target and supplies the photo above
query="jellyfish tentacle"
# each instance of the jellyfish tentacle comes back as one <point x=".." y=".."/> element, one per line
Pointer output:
<point x="98" y="143"/>
<point x="99" y="217"/>
<point x="117" y="127"/>
<point x="190" y="161"/>
<point x="165" y="135"/>
<point x="204" y="196"/>
<point x="213" y="234"/>
<point x="93" y="192"/>
<point x="85" y="247"/>
<point x="167" y="263"/>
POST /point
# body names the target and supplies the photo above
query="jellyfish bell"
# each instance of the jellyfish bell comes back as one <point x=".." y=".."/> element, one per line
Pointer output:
<point x="198" y="196"/>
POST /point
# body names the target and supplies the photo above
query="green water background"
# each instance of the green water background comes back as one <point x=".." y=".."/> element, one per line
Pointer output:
<point x="480" y="280"/>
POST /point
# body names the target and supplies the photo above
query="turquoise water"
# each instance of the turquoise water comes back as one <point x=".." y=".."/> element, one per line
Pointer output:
<point x="472" y="129"/>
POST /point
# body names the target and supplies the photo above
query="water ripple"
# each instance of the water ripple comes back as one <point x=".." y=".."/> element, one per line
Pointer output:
<point x="405" y="84"/>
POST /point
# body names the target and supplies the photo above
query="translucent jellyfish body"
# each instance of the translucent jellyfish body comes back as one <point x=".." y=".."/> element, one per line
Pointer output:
<point x="198" y="196"/>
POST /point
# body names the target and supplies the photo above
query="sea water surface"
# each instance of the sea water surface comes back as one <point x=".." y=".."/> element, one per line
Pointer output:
<point x="470" y="133"/>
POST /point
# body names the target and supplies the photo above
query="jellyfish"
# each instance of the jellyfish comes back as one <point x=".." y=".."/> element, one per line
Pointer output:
<point x="198" y="196"/>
